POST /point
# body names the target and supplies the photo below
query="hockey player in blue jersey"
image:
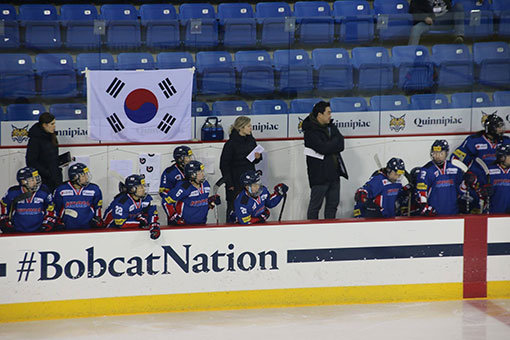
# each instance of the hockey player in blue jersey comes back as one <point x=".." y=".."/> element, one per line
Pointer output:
<point x="189" y="201"/>
<point x="483" y="143"/>
<point x="495" y="190"/>
<point x="173" y="174"/>
<point x="132" y="208"/>
<point x="253" y="203"/>
<point x="378" y="197"/>
<point x="439" y="183"/>
<point x="27" y="207"/>
<point x="78" y="202"/>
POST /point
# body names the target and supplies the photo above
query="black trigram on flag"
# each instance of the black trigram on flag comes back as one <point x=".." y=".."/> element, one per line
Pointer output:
<point x="115" y="123"/>
<point x="115" y="87"/>
<point x="167" y="88"/>
<point x="166" y="123"/>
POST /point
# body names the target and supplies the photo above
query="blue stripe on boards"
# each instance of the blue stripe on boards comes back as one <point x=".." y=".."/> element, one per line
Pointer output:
<point x="498" y="249"/>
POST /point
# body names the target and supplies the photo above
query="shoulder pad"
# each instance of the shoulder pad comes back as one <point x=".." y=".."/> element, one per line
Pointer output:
<point x="428" y="165"/>
<point x="244" y="199"/>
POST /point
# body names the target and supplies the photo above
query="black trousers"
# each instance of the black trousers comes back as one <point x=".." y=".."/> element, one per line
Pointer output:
<point x="330" y="192"/>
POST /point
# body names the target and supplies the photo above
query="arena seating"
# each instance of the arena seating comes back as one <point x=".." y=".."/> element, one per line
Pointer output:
<point x="276" y="106"/>
<point x="429" y="102"/>
<point x="470" y="99"/>
<point x="389" y="103"/>
<point x="230" y="108"/>
<point x="348" y="104"/>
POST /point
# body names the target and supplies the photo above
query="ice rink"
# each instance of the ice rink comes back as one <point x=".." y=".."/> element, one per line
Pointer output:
<point x="474" y="319"/>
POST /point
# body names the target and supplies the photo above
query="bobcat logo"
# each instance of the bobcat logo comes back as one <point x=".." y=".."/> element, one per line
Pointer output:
<point x="19" y="135"/>
<point x="300" y="125"/>
<point x="485" y="115"/>
<point x="397" y="123"/>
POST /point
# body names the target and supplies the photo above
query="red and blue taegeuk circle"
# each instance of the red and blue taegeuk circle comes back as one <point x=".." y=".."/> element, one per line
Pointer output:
<point x="141" y="105"/>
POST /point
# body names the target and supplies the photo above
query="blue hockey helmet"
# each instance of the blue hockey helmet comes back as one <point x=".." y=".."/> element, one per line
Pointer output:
<point x="29" y="178"/>
<point x="180" y="152"/>
<point x="132" y="183"/>
<point x="492" y="123"/>
<point x="250" y="177"/>
<point x="191" y="169"/>
<point x="76" y="170"/>
<point x="397" y="165"/>
<point x="415" y="173"/>
<point x="440" y="145"/>
<point x="502" y="151"/>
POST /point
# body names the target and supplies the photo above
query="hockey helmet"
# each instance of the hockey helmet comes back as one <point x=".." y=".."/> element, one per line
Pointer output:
<point x="76" y="170"/>
<point x="397" y="165"/>
<point x="414" y="174"/>
<point x="132" y="182"/>
<point x="29" y="178"/>
<point x="250" y="177"/>
<point x="192" y="169"/>
<point x="492" y="123"/>
<point x="502" y="151"/>
<point x="440" y="145"/>
<point x="180" y="152"/>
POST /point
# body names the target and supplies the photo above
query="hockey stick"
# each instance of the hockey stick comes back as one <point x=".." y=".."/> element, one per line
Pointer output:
<point x="464" y="168"/>
<point x="283" y="207"/>
<point x="485" y="169"/>
<point x="17" y="199"/>
<point x="216" y="187"/>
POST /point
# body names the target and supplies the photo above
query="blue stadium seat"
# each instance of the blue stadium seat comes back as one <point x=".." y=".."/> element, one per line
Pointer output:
<point x="24" y="111"/>
<point x="230" y="108"/>
<point x="303" y="105"/>
<point x="470" y="99"/>
<point x="17" y="78"/>
<point x="69" y="111"/>
<point x="375" y="71"/>
<point x="414" y="68"/>
<point x="9" y="36"/>
<point x="57" y="74"/>
<point x="389" y="103"/>
<point x="277" y="25"/>
<point x="42" y="28"/>
<point x="454" y="65"/>
<point x="237" y="24"/>
<point x="501" y="10"/>
<point x="493" y="63"/>
<point x="314" y="22"/>
<point x="216" y="73"/>
<point x="429" y="102"/>
<point x="393" y="20"/>
<point x="169" y="60"/>
<point x="79" y="23"/>
<point x="122" y="26"/>
<point x="92" y="61"/>
<point x="161" y="26"/>
<point x="333" y="69"/>
<point x="200" y="109"/>
<point x="348" y="104"/>
<point x="484" y="26"/>
<point x="255" y="71"/>
<point x="501" y="98"/>
<point x="355" y="21"/>
<point x="269" y="107"/>
<point x="200" y="25"/>
<point x="135" y="61"/>
<point x="293" y="71"/>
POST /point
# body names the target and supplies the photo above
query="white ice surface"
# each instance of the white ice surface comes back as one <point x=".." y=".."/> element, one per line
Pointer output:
<point x="449" y="320"/>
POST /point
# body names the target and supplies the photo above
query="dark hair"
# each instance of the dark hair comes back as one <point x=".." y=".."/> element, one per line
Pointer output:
<point x="46" y="118"/>
<point x="320" y="107"/>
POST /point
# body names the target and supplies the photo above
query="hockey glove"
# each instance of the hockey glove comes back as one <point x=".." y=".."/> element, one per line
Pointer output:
<point x="265" y="215"/>
<point x="96" y="222"/>
<point x="48" y="224"/>
<point x="361" y="196"/>
<point x="372" y="210"/>
<point x="486" y="190"/>
<point x="281" y="189"/>
<point x="213" y="201"/>
<point x="144" y="224"/>
<point x="154" y="231"/>
<point x="6" y="225"/>
<point x="428" y="211"/>
<point x="470" y="179"/>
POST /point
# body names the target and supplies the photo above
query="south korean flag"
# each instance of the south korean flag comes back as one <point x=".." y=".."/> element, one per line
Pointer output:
<point x="139" y="106"/>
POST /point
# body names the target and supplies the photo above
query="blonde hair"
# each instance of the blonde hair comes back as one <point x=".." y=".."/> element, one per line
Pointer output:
<point x="239" y="123"/>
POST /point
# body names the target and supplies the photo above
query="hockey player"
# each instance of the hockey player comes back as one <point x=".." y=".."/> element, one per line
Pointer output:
<point x="439" y="183"/>
<point x="189" y="201"/>
<point x="483" y="143"/>
<point x="78" y="202"/>
<point x="253" y="203"/>
<point x="27" y="207"/>
<point x="497" y="191"/>
<point x="174" y="173"/>
<point x="132" y="208"/>
<point x="378" y="197"/>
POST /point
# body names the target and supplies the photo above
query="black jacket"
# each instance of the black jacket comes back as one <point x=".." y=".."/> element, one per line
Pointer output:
<point x="43" y="156"/>
<point x="420" y="9"/>
<point x="233" y="162"/>
<point x="328" y="141"/>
